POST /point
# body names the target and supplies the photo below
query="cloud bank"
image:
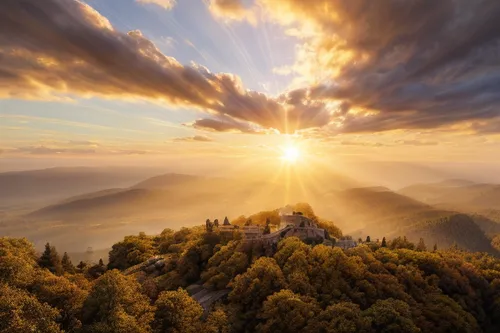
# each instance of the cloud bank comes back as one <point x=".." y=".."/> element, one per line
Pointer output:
<point x="401" y="64"/>
<point x="373" y="65"/>
<point x="167" y="4"/>
<point x="58" y="47"/>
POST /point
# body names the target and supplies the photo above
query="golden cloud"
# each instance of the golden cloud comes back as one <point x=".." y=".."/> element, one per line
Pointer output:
<point x="167" y="4"/>
<point x="60" y="48"/>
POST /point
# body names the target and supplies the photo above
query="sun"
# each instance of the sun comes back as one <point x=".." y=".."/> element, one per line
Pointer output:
<point x="290" y="154"/>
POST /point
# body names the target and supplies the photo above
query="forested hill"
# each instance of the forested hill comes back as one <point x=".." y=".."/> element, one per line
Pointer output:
<point x="388" y="286"/>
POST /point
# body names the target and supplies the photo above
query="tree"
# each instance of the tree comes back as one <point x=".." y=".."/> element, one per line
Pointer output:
<point x="421" y="245"/>
<point x="368" y="240"/>
<point x="224" y="265"/>
<point x="435" y="247"/>
<point x="226" y="221"/>
<point x="384" y="243"/>
<point x="285" y="311"/>
<point x="21" y="312"/>
<point x="60" y="293"/>
<point x="82" y="266"/>
<point x="97" y="270"/>
<point x="17" y="262"/>
<point x="67" y="265"/>
<point x="116" y="304"/>
<point x="217" y="322"/>
<point x="262" y="279"/>
<point x="343" y="317"/>
<point x="177" y="312"/>
<point x="391" y="315"/>
<point x="131" y="251"/>
<point x="50" y="259"/>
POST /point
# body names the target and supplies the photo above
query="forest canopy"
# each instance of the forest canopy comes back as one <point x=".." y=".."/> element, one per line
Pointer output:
<point x="389" y="286"/>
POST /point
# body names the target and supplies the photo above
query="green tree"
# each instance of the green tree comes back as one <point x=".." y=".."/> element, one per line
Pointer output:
<point x="115" y="304"/>
<point x="67" y="265"/>
<point x="285" y="311"/>
<point x="51" y="260"/>
<point x="384" y="243"/>
<point x="177" y="312"/>
<point x="21" y="312"/>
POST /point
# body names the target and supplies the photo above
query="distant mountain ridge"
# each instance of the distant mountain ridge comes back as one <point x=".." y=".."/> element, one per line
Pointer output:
<point x="25" y="187"/>
<point x="461" y="193"/>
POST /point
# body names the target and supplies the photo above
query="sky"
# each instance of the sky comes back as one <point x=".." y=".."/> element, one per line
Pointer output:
<point x="164" y="81"/>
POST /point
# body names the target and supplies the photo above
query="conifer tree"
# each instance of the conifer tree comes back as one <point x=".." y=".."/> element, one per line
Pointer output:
<point x="50" y="259"/>
<point x="67" y="264"/>
<point x="384" y="242"/>
<point x="435" y="247"/>
<point x="368" y="240"/>
<point x="81" y="266"/>
<point x="421" y="245"/>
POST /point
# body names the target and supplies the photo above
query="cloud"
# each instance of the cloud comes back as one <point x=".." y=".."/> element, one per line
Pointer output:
<point x="223" y="124"/>
<point x="196" y="138"/>
<point x="59" y="48"/>
<point x="83" y="143"/>
<point x="42" y="150"/>
<point x="415" y="64"/>
<point x="167" y="4"/>
<point x="416" y="143"/>
<point x="231" y="9"/>
<point x="362" y="143"/>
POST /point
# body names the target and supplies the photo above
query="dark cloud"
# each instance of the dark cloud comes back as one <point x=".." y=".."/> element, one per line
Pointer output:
<point x="222" y="124"/>
<point x="418" y="64"/>
<point x="199" y="138"/>
<point x="58" y="47"/>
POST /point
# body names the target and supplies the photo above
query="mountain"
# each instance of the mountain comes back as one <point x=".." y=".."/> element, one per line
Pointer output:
<point x="456" y="229"/>
<point x="379" y="212"/>
<point x="364" y="208"/>
<point x="49" y="185"/>
<point x="456" y="193"/>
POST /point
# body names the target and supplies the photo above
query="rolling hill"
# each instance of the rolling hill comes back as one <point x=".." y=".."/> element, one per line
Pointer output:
<point x="456" y="229"/>
<point x="456" y="193"/>
<point x="41" y="187"/>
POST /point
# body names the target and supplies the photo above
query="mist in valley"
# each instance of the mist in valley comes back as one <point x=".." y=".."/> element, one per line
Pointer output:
<point x="83" y="208"/>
